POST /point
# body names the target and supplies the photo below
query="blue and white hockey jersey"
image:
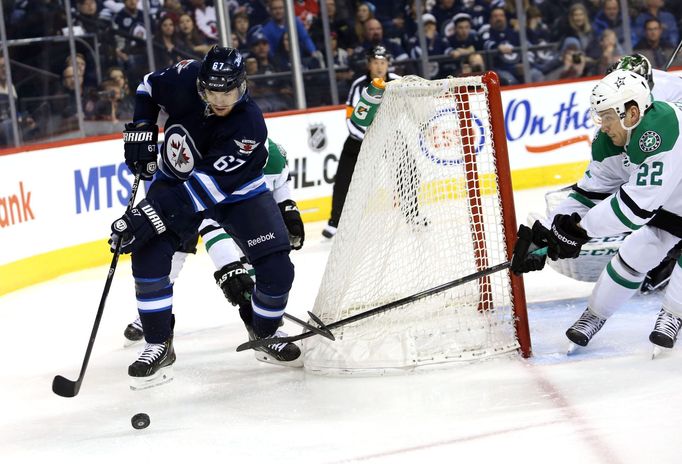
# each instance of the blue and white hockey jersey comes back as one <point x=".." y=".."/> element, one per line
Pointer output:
<point x="214" y="159"/>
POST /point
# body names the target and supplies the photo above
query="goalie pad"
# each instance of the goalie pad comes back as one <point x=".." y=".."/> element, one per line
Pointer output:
<point x="594" y="255"/>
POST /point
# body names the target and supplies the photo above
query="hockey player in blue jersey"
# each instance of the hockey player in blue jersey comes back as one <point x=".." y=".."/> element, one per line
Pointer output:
<point x="211" y="167"/>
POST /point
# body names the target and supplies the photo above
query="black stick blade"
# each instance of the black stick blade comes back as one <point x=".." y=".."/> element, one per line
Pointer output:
<point x="319" y="322"/>
<point x="251" y="344"/>
<point x="65" y="387"/>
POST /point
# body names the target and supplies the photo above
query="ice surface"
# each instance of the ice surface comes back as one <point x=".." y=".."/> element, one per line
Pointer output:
<point x="607" y="403"/>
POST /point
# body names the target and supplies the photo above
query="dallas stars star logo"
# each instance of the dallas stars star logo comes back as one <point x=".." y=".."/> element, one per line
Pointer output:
<point x="620" y="82"/>
<point x="649" y="141"/>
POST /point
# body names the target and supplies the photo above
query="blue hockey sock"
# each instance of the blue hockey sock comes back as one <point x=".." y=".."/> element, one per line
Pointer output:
<point x="155" y="306"/>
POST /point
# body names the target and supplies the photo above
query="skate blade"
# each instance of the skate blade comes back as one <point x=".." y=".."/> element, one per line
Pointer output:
<point x="656" y="352"/>
<point x="266" y="358"/>
<point x="162" y="376"/>
<point x="572" y="349"/>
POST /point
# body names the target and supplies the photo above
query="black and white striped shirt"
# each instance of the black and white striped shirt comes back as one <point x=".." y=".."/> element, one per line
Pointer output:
<point x="359" y="84"/>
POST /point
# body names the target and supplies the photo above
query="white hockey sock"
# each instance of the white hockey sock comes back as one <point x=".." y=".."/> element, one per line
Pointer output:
<point x="617" y="283"/>
<point x="672" y="301"/>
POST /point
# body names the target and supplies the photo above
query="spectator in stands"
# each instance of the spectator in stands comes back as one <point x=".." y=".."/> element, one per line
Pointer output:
<point x="171" y="9"/>
<point x="280" y="58"/>
<point x="241" y="30"/>
<point x="117" y="75"/>
<point x="205" y="18"/>
<point x="609" y="17"/>
<point x="435" y="45"/>
<point x="363" y="13"/>
<point x="36" y="18"/>
<point x="374" y="35"/>
<point x="653" y="9"/>
<point x="168" y="48"/>
<point x="538" y="33"/>
<point x="273" y="94"/>
<point x="573" y="62"/>
<point x="463" y="41"/>
<point x="64" y="104"/>
<point x="276" y="26"/>
<point x="473" y="64"/>
<point x="605" y="53"/>
<point x="391" y="15"/>
<point x="192" y="38"/>
<point x="256" y="10"/>
<point x="87" y="18"/>
<point x="306" y="10"/>
<point x="653" y="46"/>
<point x="577" y="25"/>
<point x="500" y="37"/>
<point x="112" y="105"/>
<point x="342" y="28"/>
<point x="479" y="12"/>
<point x="6" y="134"/>
<point x="130" y="47"/>
<point x="443" y="12"/>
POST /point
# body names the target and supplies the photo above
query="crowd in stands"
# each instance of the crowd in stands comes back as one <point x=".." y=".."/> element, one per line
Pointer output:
<point x="567" y="39"/>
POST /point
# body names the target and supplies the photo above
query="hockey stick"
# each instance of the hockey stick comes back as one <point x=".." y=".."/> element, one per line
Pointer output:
<point x="383" y="308"/>
<point x="321" y="330"/>
<point x="70" y="388"/>
<point x="379" y="309"/>
<point x="673" y="56"/>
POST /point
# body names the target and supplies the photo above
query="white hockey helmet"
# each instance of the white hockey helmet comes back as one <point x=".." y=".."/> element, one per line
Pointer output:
<point x="617" y="89"/>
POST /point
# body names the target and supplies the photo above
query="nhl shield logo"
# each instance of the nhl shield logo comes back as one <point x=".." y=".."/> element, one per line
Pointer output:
<point x="317" y="137"/>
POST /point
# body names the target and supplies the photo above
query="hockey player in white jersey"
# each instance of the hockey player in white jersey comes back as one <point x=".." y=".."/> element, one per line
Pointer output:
<point x="604" y="175"/>
<point x="648" y="205"/>
<point x="231" y="275"/>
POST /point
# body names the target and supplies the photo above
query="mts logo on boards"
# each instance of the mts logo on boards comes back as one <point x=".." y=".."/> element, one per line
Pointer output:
<point x="101" y="187"/>
<point x="16" y="208"/>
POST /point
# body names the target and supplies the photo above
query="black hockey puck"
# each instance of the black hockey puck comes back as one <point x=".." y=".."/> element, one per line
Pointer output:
<point x="140" y="421"/>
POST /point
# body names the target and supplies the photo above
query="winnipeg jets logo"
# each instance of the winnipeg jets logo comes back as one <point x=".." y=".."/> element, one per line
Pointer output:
<point x="179" y="152"/>
<point x="620" y="82"/>
<point x="649" y="141"/>
<point x="246" y="147"/>
<point x="182" y="65"/>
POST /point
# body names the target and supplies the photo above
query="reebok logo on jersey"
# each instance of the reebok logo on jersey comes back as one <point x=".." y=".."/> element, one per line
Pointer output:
<point x="261" y="239"/>
<point x="154" y="219"/>
<point x="649" y="141"/>
<point x="132" y="136"/>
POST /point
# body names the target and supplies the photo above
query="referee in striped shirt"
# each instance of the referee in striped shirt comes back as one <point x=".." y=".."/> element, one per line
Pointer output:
<point x="378" y="61"/>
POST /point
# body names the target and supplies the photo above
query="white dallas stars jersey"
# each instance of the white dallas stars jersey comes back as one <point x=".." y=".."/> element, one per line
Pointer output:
<point x="650" y="171"/>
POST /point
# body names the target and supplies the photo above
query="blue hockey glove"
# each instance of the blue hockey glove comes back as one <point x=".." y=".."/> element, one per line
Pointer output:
<point x="136" y="227"/>
<point x="236" y="284"/>
<point x="566" y="237"/>
<point x="294" y="223"/>
<point x="139" y="146"/>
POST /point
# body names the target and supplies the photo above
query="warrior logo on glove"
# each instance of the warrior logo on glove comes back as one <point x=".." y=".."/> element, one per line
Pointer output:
<point x="120" y="225"/>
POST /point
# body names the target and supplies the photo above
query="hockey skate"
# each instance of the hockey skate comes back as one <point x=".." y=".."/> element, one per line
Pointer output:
<point x="665" y="331"/>
<point x="582" y="331"/>
<point x="282" y="354"/>
<point x="154" y="366"/>
<point x="329" y="231"/>
<point x="133" y="333"/>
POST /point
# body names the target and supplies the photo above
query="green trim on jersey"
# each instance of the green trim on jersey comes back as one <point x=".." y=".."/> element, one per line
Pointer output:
<point x="277" y="159"/>
<point x="657" y="133"/>
<point x="622" y="217"/>
<point x="620" y="280"/>
<point x="582" y="199"/>
<point x="603" y="147"/>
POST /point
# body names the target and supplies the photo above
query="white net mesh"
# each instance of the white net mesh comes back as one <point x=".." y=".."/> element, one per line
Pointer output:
<point x="423" y="209"/>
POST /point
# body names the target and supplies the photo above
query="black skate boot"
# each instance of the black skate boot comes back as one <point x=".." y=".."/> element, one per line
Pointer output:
<point x="329" y="230"/>
<point x="582" y="331"/>
<point x="283" y="354"/>
<point x="133" y="333"/>
<point x="154" y="366"/>
<point x="666" y="329"/>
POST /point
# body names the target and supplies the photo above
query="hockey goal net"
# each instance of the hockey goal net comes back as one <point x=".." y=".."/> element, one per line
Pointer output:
<point x="430" y="202"/>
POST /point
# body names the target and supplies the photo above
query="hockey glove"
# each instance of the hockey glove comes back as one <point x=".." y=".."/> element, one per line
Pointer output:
<point x="527" y="241"/>
<point x="236" y="284"/>
<point x="136" y="227"/>
<point x="567" y="237"/>
<point x="139" y="145"/>
<point x="294" y="223"/>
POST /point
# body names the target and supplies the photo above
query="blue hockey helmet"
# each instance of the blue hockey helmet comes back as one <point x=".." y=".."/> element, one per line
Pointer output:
<point x="221" y="71"/>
